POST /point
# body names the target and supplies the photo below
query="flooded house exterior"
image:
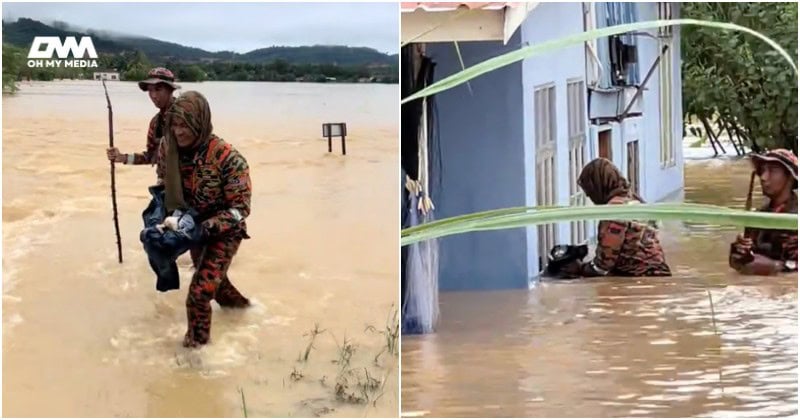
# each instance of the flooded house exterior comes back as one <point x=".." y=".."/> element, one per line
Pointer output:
<point x="519" y="135"/>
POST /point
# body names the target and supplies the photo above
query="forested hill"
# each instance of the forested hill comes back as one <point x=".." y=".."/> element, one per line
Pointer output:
<point x="133" y="56"/>
<point x="22" y="32"/>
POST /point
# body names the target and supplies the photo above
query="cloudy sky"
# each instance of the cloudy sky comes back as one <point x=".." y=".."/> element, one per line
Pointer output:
<point x="239" y="27"/>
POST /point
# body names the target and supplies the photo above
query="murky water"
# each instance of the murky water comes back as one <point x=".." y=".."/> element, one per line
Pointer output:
<point x="620" y="347"/>
<point x="86" y="336"/>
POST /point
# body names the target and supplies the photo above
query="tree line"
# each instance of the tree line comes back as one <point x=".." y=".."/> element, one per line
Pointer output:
<point x="134" y="65"/>
<point x="735" y="80"/>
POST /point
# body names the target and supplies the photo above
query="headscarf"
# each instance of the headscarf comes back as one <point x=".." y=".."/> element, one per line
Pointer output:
<point x="192" y="107"/>
<point x="602" y="181"/>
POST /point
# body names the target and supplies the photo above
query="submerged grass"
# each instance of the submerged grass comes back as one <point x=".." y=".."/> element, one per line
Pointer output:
<point x="351" y="382"/>
<point x="391" y="334"/>
<point x="346" y="352"/>
<point x="244" y="404"/>
<point x="360" y="385"/>
<point x="313" y="334"/>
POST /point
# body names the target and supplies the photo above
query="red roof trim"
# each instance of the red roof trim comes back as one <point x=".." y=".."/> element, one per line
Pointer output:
<point x="448" y="7"/>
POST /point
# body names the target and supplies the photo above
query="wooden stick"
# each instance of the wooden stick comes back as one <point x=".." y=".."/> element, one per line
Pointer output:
<point x="748" y="204"/>
<point x="113" y="181"/>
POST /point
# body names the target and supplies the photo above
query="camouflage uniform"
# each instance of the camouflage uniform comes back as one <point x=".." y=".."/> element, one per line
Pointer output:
<point x="780" y="245"/>
<point x="624" y="248"/>
<point x="627" y="248"/>
<point x="777" y="245"/>
<point x="155" y="130"/>
<point x="216" y="183"/>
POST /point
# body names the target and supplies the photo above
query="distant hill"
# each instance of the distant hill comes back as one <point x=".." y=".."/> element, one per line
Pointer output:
<point x="320" y="54"/>
<point x="22" y="32"/>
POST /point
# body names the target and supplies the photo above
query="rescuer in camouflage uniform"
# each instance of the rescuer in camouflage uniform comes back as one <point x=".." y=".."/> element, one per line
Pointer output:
<point x="770" y="251"/>
<point x="204" y="173"/>
<point x="624" y="248"/>
<point x="160" y="84"/>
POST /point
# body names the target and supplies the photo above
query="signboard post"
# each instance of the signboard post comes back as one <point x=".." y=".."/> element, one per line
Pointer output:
<point x="331" y="130"/>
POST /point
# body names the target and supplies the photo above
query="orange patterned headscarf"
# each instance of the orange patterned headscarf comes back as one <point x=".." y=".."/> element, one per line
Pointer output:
<point x="191" y="107"/>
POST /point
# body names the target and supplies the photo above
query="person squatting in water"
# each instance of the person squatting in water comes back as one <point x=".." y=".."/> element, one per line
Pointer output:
<point x="624" y="248"/>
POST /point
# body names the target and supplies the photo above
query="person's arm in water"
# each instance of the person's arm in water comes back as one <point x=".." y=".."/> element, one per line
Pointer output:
<point x="762" y="266"/>
<point x="237" y="191"/>
<point x="610" y="237"/>
<point x="148" y="156"/>
<point x="745" y="261"/>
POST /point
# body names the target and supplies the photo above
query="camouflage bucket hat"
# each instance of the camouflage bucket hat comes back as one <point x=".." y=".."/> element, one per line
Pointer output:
<point x="780" y="156"/>
<point x="159" y="75"/>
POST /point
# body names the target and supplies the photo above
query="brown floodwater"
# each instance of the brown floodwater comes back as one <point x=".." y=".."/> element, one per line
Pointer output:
<point x="619" y="347"/>
<point x="84" y="336"/>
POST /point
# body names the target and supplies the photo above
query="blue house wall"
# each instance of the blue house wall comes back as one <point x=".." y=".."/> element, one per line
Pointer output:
<point x="487" y="147"/>
<point x="547" y="22"/>
<point x="482" y="150"/>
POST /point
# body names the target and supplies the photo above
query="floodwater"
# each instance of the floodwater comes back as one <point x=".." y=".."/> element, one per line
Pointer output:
<point x="85" y="336"/>
<point x="620" y="347"/>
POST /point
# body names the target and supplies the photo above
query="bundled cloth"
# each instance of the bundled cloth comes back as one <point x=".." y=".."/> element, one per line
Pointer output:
<point x="163" y="247"/>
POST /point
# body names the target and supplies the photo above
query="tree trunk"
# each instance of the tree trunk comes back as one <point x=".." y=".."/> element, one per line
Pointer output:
<point x="741" y="132"/>
<point x="711" y="137"/>
<point x="727" y="128"/>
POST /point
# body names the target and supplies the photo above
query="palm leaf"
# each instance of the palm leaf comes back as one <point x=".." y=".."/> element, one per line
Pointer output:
<point x="527" y="216"/>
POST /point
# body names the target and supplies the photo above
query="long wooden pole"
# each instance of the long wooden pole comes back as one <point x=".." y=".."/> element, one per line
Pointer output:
<point x="748" y="204"/>
<point x="113" y="181"/>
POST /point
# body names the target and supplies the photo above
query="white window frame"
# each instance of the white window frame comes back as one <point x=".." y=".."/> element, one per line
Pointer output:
<point x="634" y="165"/>
<point x="664" y="13"/>
<point x="545" y="135"/>
<point x="576" y="118"/>
<point x="665" y="77"/>
<point x="594" y="67"/>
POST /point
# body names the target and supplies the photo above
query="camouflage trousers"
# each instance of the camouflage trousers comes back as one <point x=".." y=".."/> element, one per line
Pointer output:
<point x="210" y="281"/>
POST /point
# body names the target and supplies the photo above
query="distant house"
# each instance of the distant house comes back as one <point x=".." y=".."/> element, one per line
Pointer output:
<point x="106" y="75"/>
<point x="520" y="135"/>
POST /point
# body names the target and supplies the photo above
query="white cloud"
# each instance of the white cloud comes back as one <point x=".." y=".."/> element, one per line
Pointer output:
<point x="239" y="27"/>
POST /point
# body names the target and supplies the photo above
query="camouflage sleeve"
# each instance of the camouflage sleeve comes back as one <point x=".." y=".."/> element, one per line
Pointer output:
<point x="161" y="169"/>
<point x="610" y="237"/>
<point x="151" y="152"/>
<point x="237" y="191"/>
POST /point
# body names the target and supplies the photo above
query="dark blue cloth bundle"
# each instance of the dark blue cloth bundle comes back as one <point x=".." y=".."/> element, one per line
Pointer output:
<point x="163" y="249"/>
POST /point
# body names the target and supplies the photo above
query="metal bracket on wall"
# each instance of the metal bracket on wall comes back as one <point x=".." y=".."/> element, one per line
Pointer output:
<point x="642" y="85"/>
